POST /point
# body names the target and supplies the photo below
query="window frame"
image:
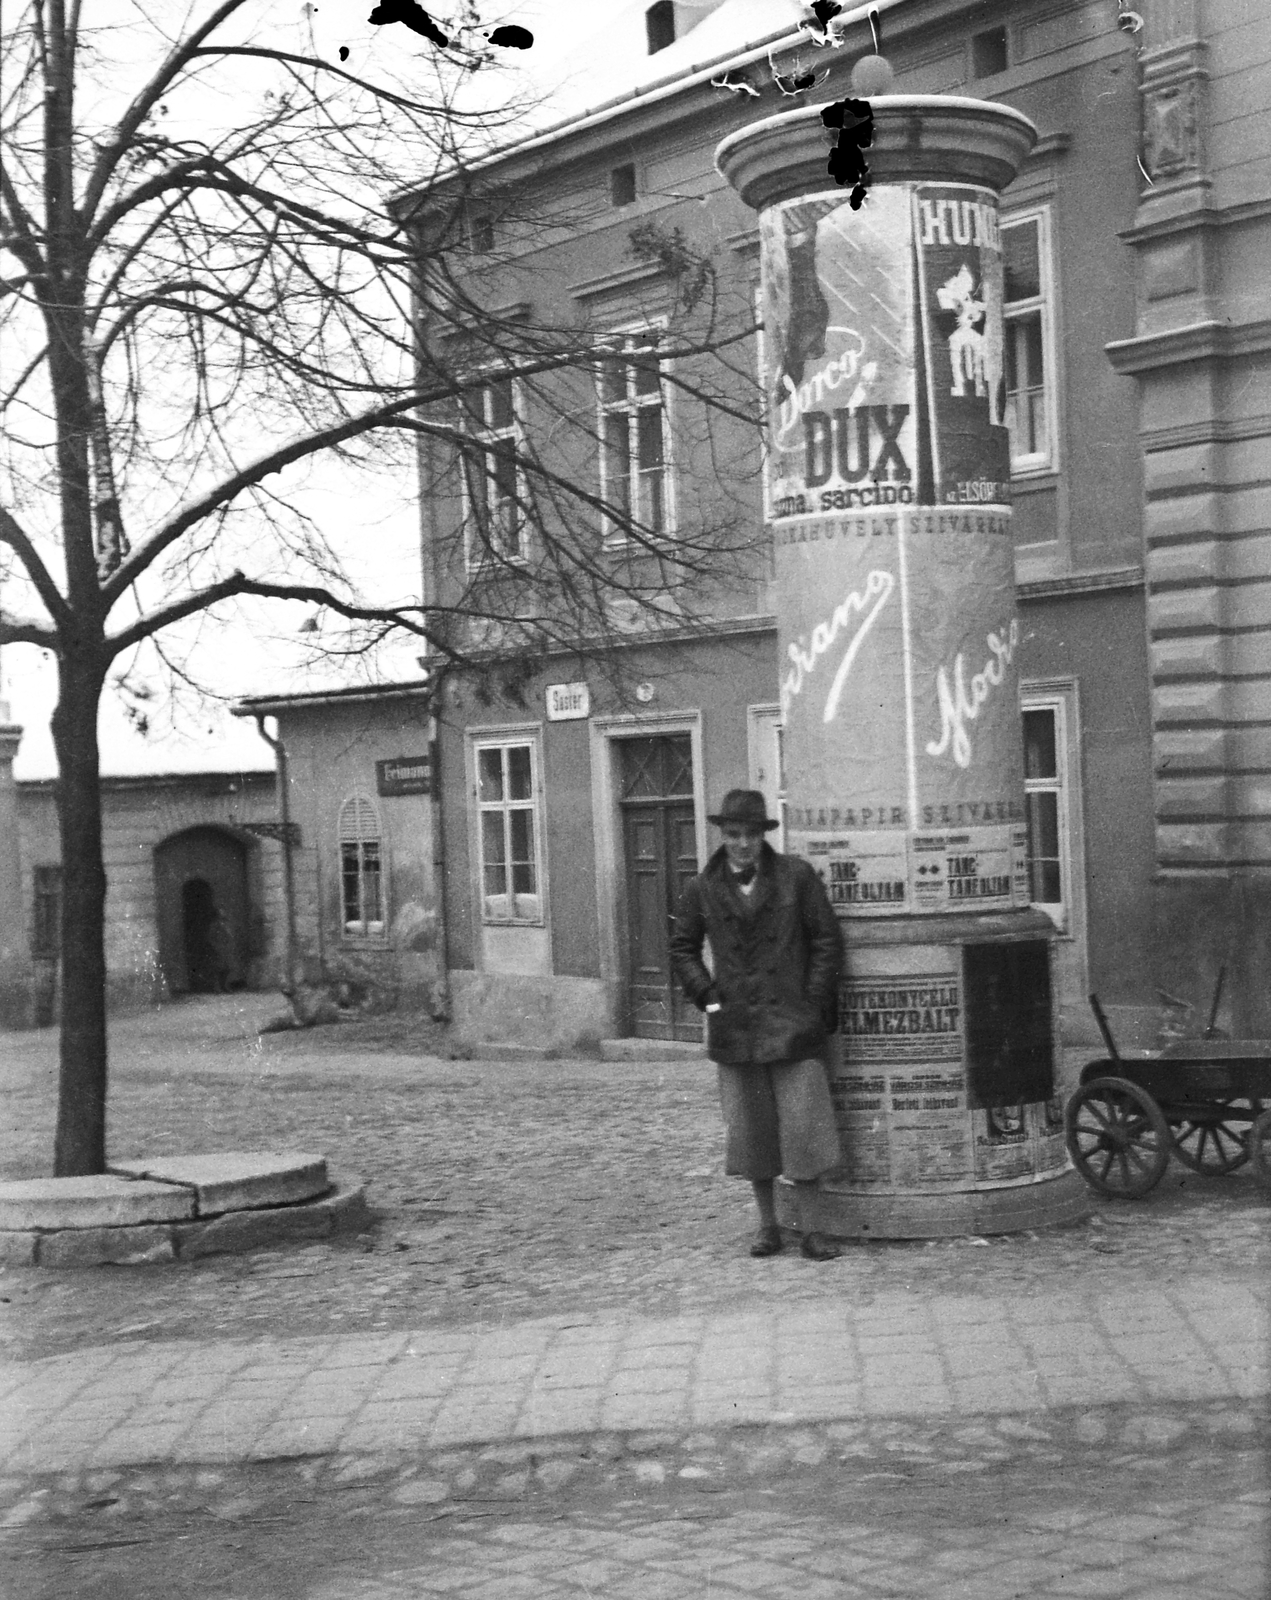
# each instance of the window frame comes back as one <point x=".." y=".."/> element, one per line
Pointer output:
<point x="363" y="930"/>
<point x="1059" y="702"/>
<point x="1035" y="463"/>
<point x="504" y="739"/>
<point x="478" y="552"/>
<point x="616" y="538"/>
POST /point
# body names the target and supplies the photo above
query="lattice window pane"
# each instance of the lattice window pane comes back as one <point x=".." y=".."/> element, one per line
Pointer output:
<point x="490" y="775"/>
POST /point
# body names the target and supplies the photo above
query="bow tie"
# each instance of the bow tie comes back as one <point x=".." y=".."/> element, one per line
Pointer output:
<point x="745" y="876"/>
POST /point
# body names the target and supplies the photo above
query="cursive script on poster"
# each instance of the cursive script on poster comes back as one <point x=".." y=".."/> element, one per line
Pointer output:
<point x="958" y="706"/>
<point x="852" y="618"/>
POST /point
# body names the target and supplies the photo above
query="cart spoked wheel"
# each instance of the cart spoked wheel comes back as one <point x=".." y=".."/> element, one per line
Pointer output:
<point x="1259" y="1146"/>
<point x="1117" y="1136"/>
<point x="1213" y="1143"/>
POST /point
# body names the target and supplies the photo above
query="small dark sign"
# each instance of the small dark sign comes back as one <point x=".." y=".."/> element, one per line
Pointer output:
<point x="404" y="775"/>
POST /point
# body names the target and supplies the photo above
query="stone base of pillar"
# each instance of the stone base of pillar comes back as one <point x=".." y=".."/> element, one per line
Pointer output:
<point x="847" y="1213"/>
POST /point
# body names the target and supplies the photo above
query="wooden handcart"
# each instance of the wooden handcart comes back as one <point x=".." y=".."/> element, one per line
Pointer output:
<point x="1202" y="1100"/>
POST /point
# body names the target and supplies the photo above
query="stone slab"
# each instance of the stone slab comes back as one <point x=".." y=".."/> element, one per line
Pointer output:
<point x="237" y="1180"/>
<point x="17" y="1248"/>
<point x="95" y="1247"/>
<point x="106" y="1200"/>
<point x="343" y="1210"/>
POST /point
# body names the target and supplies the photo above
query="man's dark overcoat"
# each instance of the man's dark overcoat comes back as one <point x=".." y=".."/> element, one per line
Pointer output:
<point x="777" y="954"/>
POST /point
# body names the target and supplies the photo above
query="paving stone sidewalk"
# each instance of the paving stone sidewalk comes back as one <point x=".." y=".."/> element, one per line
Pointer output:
<point x="1192" y="1338"/>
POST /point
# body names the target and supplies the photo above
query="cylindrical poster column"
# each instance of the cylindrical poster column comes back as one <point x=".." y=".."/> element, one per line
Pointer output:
<point x="887" y="486"/>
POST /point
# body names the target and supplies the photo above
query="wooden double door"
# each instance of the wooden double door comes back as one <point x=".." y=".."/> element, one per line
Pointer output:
<point x="659" y="831"/>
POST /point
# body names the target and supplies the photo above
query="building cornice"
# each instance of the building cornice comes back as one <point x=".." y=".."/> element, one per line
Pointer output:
<point x="272" y="705"/>
<point x="1070" y="585"/>
<point x="611" y="282"/>
<point x="1210" y="340"/>
<point x="220" y="782"/>
<point x="1200" y="218"/>
<point x="1213" y="430"/>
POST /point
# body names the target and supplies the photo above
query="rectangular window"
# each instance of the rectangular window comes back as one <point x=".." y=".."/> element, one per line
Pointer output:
<point x="659" y="25"/>
<point x="46" y="917"/>
<point x="507" y="819"/>
<point x="622" y="184"/>
<point x="635" y="472"/>
<point x="494" y="490"/>
<point x="989" y="54"/>
<point x="478" y="228"/>
<point x="1028" y="315"/>
<point x="362" y="879"/>
<point x="1046" y="806"/>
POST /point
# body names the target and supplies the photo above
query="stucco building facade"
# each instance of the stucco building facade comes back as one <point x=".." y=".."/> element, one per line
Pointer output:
<point x="568" y="792"/>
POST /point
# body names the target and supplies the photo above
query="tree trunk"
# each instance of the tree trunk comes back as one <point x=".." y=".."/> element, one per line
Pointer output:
<point x="80" y="1146"/>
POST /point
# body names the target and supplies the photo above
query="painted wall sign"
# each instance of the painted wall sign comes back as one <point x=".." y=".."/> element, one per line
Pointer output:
<point x="404" y="775"/>
<point x="567" y="702"/>
<point x="887" y="481"/>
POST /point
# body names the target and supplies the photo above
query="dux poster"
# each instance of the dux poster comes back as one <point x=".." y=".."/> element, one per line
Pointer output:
<point x="887" y="485"/>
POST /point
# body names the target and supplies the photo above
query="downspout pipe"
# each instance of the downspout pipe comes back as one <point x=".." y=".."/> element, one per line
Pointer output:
<point x="289" y="983"/>
<point x="441" y="994"/>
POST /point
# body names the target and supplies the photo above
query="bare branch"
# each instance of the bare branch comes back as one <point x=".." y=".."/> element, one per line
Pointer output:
<point x="143" y="104"/>
<point x="12" y="534"/>
<point x="238" y="584"/>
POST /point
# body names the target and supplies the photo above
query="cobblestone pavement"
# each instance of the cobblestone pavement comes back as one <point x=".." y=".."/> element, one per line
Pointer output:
<point x="552" y="1370"/>
<point x="1115" y="1502"/>
<point x="508" y="1190"/>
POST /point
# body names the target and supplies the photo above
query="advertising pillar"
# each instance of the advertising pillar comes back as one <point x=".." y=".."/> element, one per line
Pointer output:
<point x="887" y="488"/>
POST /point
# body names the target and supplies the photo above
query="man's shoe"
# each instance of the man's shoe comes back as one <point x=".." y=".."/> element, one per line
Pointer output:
<point x="767" y="1242"/>
<point x="818" y="1248"/>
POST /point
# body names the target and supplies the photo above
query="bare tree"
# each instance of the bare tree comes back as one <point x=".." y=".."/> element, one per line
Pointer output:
<point x="203" y="287"/>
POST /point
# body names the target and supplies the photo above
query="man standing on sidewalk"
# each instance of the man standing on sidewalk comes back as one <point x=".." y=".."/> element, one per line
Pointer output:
<point x="777" y="954"/>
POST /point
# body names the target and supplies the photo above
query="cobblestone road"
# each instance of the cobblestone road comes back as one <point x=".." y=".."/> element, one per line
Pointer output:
<point x="1118" y="1503"/>
<point x="508" y="1190"/>
<point x="529" y="1190"/>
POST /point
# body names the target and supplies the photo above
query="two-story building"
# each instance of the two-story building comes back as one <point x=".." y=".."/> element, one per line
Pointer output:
<point x="573" y="779"/>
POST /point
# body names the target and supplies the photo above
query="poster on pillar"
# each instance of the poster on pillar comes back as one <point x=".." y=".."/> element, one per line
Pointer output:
<point x="886" y="484"/>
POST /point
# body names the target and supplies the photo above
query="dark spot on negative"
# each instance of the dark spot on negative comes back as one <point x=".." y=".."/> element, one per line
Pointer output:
<point x="855" y="122"/>
<point x="512" y="37"/>
<point x="412" y="15"/>
<point x="344" y="52"/>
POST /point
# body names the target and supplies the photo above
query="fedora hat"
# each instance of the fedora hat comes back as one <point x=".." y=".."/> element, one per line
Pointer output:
<point x="744" y="808"/>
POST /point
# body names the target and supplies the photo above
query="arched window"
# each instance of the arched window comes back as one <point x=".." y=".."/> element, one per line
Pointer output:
<point x="361" y="866"/>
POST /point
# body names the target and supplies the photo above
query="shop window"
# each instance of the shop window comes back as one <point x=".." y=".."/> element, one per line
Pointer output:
<point x="361" y="867"/>
<point x="1028" y="315"/>
<point x="635" y="451"/>
<point x="46" y="912"/>
<point x="508" y="833"/>
<point x="494" y="489"/>
<point x="1047" y="804"/>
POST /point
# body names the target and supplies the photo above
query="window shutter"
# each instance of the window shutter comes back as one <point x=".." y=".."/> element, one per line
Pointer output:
<point x="359" y="820"/>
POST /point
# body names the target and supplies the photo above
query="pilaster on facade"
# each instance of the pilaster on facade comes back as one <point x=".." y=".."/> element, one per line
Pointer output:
<point x="1203" y="363"/>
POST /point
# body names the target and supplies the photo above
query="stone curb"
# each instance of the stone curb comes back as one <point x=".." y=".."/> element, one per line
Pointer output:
<point x="480" y="1478"/>
<point x="343" y="1209"/>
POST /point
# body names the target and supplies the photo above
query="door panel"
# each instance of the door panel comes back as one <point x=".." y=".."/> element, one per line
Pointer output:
<point x="661" y="856"/>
